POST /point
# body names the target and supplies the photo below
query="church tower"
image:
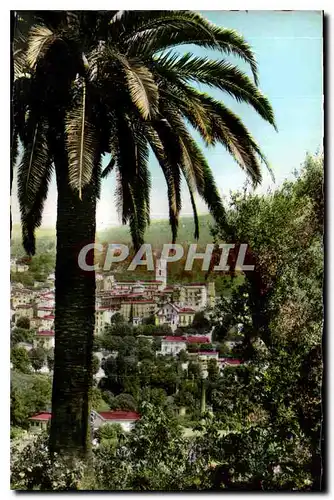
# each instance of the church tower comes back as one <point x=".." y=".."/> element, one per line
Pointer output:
<point x="161" y="272"/>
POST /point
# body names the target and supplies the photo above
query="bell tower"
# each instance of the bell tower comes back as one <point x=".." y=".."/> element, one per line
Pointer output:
<point x="161" y="272"/>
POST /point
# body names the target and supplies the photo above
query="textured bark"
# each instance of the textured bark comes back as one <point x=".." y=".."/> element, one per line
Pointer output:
<point x="74" y="320"/>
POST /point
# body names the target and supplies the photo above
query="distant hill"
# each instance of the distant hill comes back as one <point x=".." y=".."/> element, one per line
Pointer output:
<point x="158" y="232"/>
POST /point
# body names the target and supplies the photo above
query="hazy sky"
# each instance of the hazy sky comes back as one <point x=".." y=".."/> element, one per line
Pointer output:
<point x="288" y="49"/>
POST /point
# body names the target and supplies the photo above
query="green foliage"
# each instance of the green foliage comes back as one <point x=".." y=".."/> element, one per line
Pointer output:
<point x="37" y="357"/>
<point x="98" y="401"/>
<point x="33" y="469"/>
<point x="117" y="318"/>
<point x="21" y="335"/>
<point x="30" y="394"/>
<point x="20" y="359"/>
<point x="201" y="322"/>
<point x="23" y="322"/>
<point x="124" y="402"/>
<point x="96" y="365"/>
<point x="50" y="358"/>
<point x="109" y="432"/>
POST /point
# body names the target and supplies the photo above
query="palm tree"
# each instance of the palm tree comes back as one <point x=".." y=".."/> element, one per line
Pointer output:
<point x="100" y="83"/>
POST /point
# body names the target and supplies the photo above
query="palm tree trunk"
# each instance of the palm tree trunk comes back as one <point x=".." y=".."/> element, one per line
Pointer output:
<point x="74" y="321"/>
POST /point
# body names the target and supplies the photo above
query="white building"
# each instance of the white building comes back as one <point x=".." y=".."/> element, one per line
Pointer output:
<point x="45" y="337"/>
<point x="168" y="314"/>
<point x="47" y="322"/>
<point x="173" y="345"/>
<point x="102" y="317"/>
<point x="126" y="419"/>
<point x="45" y="310"/>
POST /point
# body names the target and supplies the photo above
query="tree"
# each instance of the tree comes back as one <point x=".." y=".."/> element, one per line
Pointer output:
<point x="23" y="322"/>
<point x="213" y="370"/>
<point x="280" y="305"/>
<point x="200" y="322"/>
<point x="150" y="320"/>
<point x="99" y="82"/>
<point x="124" y="402"/>
<point x="117" y="318"/>
<point x="183" y="356"/>
<point x="50" y="359"/>
<point x="109" y="432"/>
<point x="30" y="394"/>
<point x="96" y="364"/>
<point x="37" y="357"/>
<point x="20" y="359"/>
<point x="21" y="335"/>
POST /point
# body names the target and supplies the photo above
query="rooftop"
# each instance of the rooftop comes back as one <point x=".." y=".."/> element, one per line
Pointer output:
<point x="46" y="333"/>
<point x="106" y="415"/>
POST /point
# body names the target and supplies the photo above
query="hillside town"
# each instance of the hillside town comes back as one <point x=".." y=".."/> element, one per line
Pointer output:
<point x="170" y="305"/>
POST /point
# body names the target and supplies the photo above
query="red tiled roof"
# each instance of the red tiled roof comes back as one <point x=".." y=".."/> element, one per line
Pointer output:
<point x="230" y="361"/>
<point x="119" y="415"/>
<point x="49" y="316"/>
<point x="41" y="416"/>
<point x="186" y="310"/>
<point x="198" y="340"/>
<point x="106" y="415"/>
<point x="174" y="339"/>
<point x="46" y="333"/>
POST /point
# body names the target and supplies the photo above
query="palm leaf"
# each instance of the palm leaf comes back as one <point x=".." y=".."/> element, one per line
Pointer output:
<point x="39" y="41"/>
<point x="32" y="174"/>
<point x="219" y="74"/>
<point x="165" y="29"/>
<point x="108" y="169"/>
<point x="81" y="145"/>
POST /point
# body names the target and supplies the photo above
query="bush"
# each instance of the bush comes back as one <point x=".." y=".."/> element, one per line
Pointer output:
<point x="32" y="468"/>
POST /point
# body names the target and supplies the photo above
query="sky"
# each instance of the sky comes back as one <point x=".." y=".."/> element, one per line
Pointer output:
<point x="288" y="50"/>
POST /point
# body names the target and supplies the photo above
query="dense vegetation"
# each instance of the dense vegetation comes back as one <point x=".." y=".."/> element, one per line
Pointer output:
<point x="264" y="429"/>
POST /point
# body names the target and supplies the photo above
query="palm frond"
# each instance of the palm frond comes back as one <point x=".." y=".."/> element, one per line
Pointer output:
<point x="39" y="41"/>
<point x="142" y="87"/>
<point x="81" y="143"/>
<point x="171" y="173"/>
<point x="166" y="29"/>
<point x="219" y="74"/>
<point x="108" y="169"/>
<point x="33" y="172"/>
<point x="129" y="148"/>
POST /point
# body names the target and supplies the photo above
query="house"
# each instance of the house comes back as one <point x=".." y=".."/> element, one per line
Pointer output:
<point x="186" y="316"/>
<point x="138" y="308"/>
<point x="45" y="310"/>
<point x="173" y="345"/>
<point x="224" y="362"/>
<point x="198" y="339"/>
<point x="126" y="419"/>
<point x="46" y="338"/>
<point x="26" y="310"/>
<point x="102" y="317"/>
<point x="205" y="356"/>
<point x="47" y="322"/>
<point x="40" y="421"/>
<point x="22" y="268"/>
<point x="168" y="314"/>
